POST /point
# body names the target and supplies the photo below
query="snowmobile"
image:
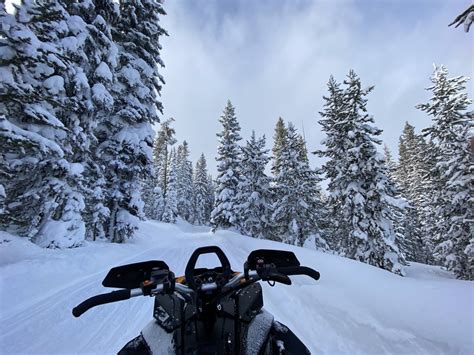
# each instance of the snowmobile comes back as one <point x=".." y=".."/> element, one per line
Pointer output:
<point x="207" y="311"/>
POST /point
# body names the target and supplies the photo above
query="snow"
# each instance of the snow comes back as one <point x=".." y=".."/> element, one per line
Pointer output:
<point x="354" y="308"/>
<point x="102" y="96"/>
<point x="132" y="75"/>
<point x="103" y="72"/>
<point x="55" y="84"/>
<point x="258" y="332"/>
<point x="15" y="132"/>
<point x="76" y="169"/>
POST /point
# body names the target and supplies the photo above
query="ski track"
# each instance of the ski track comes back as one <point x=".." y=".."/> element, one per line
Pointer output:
<point x="57" y="306"/>
<point x="47" y="326"/>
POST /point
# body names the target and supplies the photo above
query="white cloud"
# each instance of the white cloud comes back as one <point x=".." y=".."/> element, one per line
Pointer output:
<point x="274" y="59"/>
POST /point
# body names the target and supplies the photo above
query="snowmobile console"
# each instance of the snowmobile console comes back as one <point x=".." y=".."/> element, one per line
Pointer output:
<point x="132" y="275"/>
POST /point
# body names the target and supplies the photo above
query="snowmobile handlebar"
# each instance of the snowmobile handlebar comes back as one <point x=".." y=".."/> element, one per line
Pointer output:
<point x="299" y="270"/>
<point x="279" y="274"/>
<point x="105" y="298"/>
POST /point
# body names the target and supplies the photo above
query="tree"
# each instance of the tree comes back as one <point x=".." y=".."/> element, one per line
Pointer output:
<point x="253" y="196"/>
<point x="95" y="67"/>
<point x="279" y="139"/>
<point x="409" y="175"/>
<point x="170" y="210"/>
<point x="359" y="178"/>
<point x="451" y="132"/>
<point x="391" y="164"/>
<point x="332" y="118"/>
<point x="228" y="168"/>
<point x="465" y="18"/>
<point x="154" y="187"/>
<point x="40" y="131"/>
<point x="125" y="137"/>
<point x="398" y="214"/>
<point x="202" y="193"/>
<point x="296" y="193"/>
<point x="184" y="184"/>
<point x="161" y="152"/>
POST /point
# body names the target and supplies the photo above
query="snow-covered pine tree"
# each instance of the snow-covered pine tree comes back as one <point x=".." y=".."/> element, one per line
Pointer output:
<point x="296" y="193"/>
<point x="165" y="139"/>
<point x="391" y="164"/>
<point x="211" y="196"/>
<point x="332" y="118"/>
<point x="224" y="214"/>
<point x="41" y="90"/>
<point x="404" y="174"/>
<point x="451" y="131"/>
<point x="408" y="178"/>
<point x="253" y="196"/>
<point x="428" y="185"/>
<point x="96" y="61"/>
<point x="399" y="214"/>
<point x="2" y="201"/>
<point x="170" y="209"/>
<point x="185" y="191"/>
<point x="279" y="139"/>
<point x="154" y="187"/>
<point x="126" y="137"/>
<point x="360" y="181"/>
<point x="202" y="202"/>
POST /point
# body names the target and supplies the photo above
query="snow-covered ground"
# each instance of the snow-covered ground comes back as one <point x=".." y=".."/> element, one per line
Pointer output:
<point x="353" y="308"/>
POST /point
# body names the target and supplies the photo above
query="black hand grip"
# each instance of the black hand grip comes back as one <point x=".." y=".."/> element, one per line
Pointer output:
<point x="100" y="299"/>
<point x="278" y="277"/>
<point x="299" y="270"/>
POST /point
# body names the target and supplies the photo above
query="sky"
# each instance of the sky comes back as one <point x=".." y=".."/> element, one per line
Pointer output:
<point x="273" y="58"/>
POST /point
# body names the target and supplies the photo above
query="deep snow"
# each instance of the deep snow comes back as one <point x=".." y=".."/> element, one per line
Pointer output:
<point x="353" y="308"/>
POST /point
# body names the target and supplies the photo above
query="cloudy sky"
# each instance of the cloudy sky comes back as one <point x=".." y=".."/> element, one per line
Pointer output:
<point x="273" y="58"/>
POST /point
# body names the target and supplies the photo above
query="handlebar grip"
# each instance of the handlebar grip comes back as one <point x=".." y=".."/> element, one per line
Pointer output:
<point x="100" y="299"/>
<point x="299" y="270"/>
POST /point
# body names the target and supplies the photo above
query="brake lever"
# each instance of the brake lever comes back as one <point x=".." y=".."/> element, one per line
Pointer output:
<point x="270" y="273"/>
<point x="278" y="277"/>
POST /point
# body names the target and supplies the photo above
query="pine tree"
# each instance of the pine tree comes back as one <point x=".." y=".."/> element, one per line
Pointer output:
<point x="398" y="214"/>
<point x="41" y="94"/>
<point x="332" y="119"/>
<point x="2" y="199"/>
<point x="185" y="191"/>
<point x="224" y="213"/>
<point x="96" y="63"/>
<point x="155" y="186"/>
<point x="170" y="209"/>
<point x="409" y="178"/>
<point x="451" y="131"/>
<point x="125" y="137"/>
<point x="279" y="140"/>
<point x="296" y="193"/>
<point x="359" y="178"/>
<point x="253" y="196"/>
<point x="427" y="186"/>
<point x="211" y="196"/>
<point x="202" y="202"/>
<point x="391" y="164"/>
